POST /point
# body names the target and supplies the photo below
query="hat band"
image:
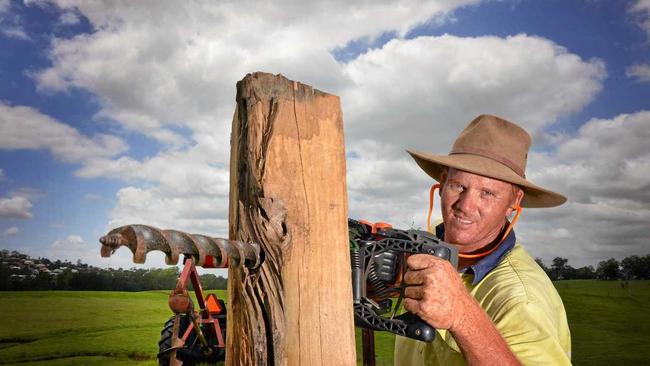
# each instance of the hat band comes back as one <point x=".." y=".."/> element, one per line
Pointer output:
<point x="490" y="155"/>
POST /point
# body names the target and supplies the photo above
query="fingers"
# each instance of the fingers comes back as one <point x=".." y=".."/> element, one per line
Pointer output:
<point x="421" y="261"/>
<point x="412" y="305"/>
<point x="414" y="292"/>
<point x="422" y="268"/>
<point x="413" y="278"/>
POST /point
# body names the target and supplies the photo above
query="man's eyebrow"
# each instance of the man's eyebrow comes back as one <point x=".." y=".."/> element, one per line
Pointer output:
<point x="497" y="191"/>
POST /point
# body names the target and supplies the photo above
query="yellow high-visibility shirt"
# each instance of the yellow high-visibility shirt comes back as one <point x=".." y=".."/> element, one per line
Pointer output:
<point x="523" y="305"/>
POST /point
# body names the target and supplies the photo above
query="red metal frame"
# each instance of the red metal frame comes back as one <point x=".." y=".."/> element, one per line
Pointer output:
<point x="181" y="303"/>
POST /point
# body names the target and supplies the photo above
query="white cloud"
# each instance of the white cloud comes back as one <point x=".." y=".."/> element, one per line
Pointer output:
<point x="11" y="231"/>
<point x="26" y="128"/>
<point x="16" y="207"/>
<point x="641" y="11"/>
<point x="604" y="170"/>
<point x="195" y="213"/>
<point x="14" y="32"/>
<point x="28" y="192"/>
<point x="609" y="158"/>
<point x="74" y="247"/>
<point x="71" y="243"/>
<point x="10" y="25"/>
<point x="178" y="173"/>
<point x="18" y="203"/>
<point x="560" y="233"/>
<point x="69" y="18"/>
<point x="153" y="72"/>
<point x="640" y="72"/>
<point x="420" y="93"/>
<point x="4" y="6"/>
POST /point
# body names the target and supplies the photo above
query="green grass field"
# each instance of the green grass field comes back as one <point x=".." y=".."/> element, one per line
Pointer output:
<point x="609" y="324"/>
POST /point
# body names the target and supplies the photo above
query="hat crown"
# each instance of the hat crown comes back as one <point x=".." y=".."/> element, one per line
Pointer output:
<point x="496" y="139"/>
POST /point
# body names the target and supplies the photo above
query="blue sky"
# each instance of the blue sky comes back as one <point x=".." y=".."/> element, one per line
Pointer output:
<point x="121" y="114"/>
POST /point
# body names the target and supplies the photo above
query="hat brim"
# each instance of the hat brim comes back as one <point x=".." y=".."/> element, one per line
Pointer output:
<point x="534" y="196"/>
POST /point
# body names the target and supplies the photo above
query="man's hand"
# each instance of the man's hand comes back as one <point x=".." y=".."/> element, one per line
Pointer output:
<point x="435" y="292"/>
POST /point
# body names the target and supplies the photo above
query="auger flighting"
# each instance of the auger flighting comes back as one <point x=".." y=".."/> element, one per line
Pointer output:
<point x="207" y="252"/>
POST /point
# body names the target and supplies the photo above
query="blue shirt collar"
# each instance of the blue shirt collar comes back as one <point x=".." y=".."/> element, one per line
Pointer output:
<point x="481" y="268"/>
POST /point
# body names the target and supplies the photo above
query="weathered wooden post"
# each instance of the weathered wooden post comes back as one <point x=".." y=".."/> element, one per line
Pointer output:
<point x="288" y="193"/>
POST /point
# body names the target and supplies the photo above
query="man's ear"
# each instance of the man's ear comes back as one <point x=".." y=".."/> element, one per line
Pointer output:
<point x="516" y="200"/>
<point x="519" y="196"/>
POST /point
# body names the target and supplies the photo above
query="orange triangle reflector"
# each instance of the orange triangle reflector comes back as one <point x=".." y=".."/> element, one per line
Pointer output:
<point x="212" y="304"/>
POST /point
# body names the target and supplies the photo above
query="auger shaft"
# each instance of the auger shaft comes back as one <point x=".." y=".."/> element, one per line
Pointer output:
<point x="206" y="251"/>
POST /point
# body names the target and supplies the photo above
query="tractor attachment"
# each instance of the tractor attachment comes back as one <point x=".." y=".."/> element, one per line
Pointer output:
<point x="192" y="335"/>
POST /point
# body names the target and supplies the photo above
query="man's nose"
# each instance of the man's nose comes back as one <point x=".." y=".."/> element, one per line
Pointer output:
<point x="466" y="202"/>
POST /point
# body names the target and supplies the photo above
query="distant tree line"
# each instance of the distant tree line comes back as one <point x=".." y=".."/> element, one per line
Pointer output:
<point x="630" y="268"/>
<point x="97" y="279"/>
<point x="80" y="276"/>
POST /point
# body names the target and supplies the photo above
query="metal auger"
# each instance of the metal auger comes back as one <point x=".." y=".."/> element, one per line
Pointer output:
<point x="205" y="251"/>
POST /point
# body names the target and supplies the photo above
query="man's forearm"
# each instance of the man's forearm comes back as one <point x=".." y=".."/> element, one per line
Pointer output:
<point x="479" y="340"/>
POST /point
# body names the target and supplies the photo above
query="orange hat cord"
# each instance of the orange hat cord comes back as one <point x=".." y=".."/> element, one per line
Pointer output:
<point x="479" y="255"/>
<point x="431" y="191"/>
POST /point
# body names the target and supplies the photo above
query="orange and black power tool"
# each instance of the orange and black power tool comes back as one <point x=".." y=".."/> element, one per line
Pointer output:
<point x="378" y="259"/>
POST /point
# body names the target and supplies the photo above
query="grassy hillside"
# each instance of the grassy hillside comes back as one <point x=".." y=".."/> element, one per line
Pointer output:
<point x="609" y="325"/>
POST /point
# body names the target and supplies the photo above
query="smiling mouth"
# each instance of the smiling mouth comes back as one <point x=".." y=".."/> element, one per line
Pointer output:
<point x="462" y="221"/>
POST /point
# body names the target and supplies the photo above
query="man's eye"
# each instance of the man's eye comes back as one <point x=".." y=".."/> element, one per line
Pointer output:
<point x="488" y="193"/>
<point x="456" y="187"/>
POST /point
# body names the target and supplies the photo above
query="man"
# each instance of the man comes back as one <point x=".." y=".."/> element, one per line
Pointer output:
<point x="502" y="309"/>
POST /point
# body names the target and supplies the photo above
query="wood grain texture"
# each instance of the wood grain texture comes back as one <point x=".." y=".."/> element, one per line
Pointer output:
<point x="288" y="193"/>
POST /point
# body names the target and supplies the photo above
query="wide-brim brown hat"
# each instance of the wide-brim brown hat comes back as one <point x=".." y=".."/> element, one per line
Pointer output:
<point x="492" y="147"/>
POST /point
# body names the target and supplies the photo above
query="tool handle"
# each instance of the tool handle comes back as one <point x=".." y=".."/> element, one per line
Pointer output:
<point x="417" y="328"/>
<point x="407" y="325"/>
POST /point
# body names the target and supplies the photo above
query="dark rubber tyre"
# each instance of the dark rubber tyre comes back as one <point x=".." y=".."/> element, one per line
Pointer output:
<point x="190" y="354"/>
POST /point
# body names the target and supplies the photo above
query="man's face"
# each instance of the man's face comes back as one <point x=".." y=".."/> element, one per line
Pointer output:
<point x="474" y="208"/>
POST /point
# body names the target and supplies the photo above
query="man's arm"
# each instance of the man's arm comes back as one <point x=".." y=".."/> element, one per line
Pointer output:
<point x="436" y="294"/>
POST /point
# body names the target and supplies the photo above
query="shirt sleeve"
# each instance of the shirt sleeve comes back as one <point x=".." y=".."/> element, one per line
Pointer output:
<point x="534" y="333"/>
